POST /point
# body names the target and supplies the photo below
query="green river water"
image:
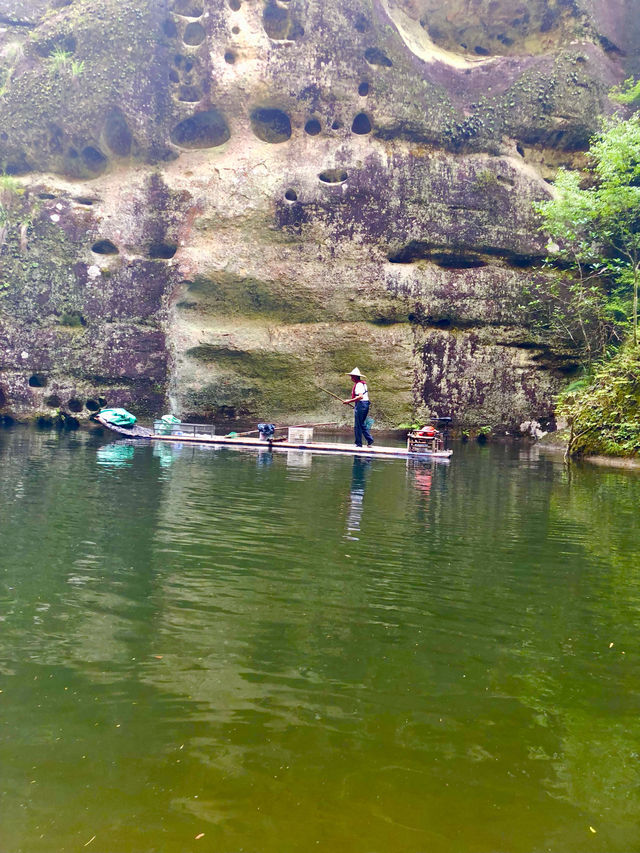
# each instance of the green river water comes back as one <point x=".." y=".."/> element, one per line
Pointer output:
<point x="215" y="650"/>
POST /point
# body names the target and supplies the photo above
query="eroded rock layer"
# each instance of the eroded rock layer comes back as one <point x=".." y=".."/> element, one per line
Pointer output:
<point x="222" y="204"/>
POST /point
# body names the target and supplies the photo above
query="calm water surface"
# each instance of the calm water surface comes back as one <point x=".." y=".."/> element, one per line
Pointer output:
<point x="294" y="654"/>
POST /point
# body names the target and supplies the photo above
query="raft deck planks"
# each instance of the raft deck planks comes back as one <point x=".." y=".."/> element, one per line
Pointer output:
<point x="315" y="447"/>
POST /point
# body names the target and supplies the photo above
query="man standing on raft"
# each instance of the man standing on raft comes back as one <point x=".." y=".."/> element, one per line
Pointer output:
<point x="359" y="396"/>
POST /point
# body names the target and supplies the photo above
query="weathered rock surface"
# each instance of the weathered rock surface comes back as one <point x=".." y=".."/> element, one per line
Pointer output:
<point x="228" y="203"/>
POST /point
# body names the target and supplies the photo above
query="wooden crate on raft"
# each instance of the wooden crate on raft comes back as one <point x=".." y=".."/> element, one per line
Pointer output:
<point x="419" y="441"/>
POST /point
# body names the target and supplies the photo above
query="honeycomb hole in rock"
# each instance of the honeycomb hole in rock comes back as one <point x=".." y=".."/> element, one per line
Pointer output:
<point x="361" y="124"/>
<point x="291" y="195"/>
<point x="375" y="56"/>
<point x="229" y="57"/>
<point x="94" y="160"/>
<point x="363" y="89"/>
<point x="275" y="21"/>
<point x="189" y="94"/>
<point x="312" y="127"/>
<point x="337" y="124"/>
<point x="188" y="8"/>
<point x="174" y="76"/>
<point x="481" y="51"/>
<point x="362" y="24"/>
<point x="194" y="34"/>
<point x="46" y="196"/>
<point x="88" y="202"/>
<point x="93" y="405"/>
<point x="53" y="401"/>
<point x="117" y="134"/>
<point x="333" y="176"/>
<point x="169" y="29"/>
<point x="235" y="5"/>
<point x="38" y="380"/>
<point x="105" y="247"/>
<point x="271" y="125"/>
<point x="162" y="251"/>
<point x="188" y="66"/>
<point x="235" y="30"/>
<point x="102" y="402"/>
<point x="203" y="130"/>
<point x="75" y="405"/>
<point x="520" y="149"/>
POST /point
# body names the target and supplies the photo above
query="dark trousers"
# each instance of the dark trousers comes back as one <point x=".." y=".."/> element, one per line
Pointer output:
<point x="359" y="426"/>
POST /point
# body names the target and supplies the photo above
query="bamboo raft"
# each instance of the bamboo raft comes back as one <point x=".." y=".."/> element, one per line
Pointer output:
<point x="204" y="434"/>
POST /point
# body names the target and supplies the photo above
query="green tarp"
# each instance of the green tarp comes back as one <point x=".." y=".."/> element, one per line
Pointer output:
<point x="118" y="417"/>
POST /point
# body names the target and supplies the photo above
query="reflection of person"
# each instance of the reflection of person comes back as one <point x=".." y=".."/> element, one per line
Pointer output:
<point x="359" y="396"/>
<point x="358" y="482"/>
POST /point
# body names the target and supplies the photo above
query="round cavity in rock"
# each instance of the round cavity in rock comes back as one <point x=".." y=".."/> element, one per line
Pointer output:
<point x="174" y="76"/>
<point x="275" y="21"/>
<point x="46" y="196"/>
<point x="291" y="195"/>
<point x="194" y="34"/>
<point x="271" y="125"/>
<point x="229" y="57"/>
<point x="189" y="94"/>
<point x="333" y="176"/>
<point x="162" y="251"/>
<point x="363" y="89"/>
<point x="235" y="30"/>
<point x="361" y="124"/>
<point x="117" y="134"/>
<point x="361" y="24"/>
<point x="187" y="8"/>
<point x="105" y="247"/>
<point x="520" y="149"/>
<point x="94" y="159"/>
<point x="188" y="65"/>
<point x="375" y="56"/>
<point x="75" y="405"/>
<point x="84" y="200"/>
<point x="481" y="51"/>
<point x="337" y="124"/>
<point x="203" y="130"/>
<point x="38" y="380"/>
<point x="93" y="405"/>
<point x="169" y="28"/>
<point x="235" y="5"/>
<point x="102" y="402"/>
<point x="312" y="127"/>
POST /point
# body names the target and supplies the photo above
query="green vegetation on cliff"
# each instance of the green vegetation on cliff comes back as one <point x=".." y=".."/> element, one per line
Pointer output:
<point x="604" y="416"/>
<point x="597" y="227"/>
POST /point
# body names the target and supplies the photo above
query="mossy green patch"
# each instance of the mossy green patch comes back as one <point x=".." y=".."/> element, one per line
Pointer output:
<point x="228" y="294"/>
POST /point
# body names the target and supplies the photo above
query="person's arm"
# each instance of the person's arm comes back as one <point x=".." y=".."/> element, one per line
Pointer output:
<point x="355" y="397"/>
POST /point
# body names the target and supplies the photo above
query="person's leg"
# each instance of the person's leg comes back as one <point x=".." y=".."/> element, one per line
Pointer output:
<point x="365" y="431"/>
<point x="357" y="424"/>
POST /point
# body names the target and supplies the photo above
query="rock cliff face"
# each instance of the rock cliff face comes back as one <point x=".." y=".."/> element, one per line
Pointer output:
<point x="227" y="202"/>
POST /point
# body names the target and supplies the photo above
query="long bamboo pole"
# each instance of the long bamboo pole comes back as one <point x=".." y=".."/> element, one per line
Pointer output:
<point x="332" y="394"/>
